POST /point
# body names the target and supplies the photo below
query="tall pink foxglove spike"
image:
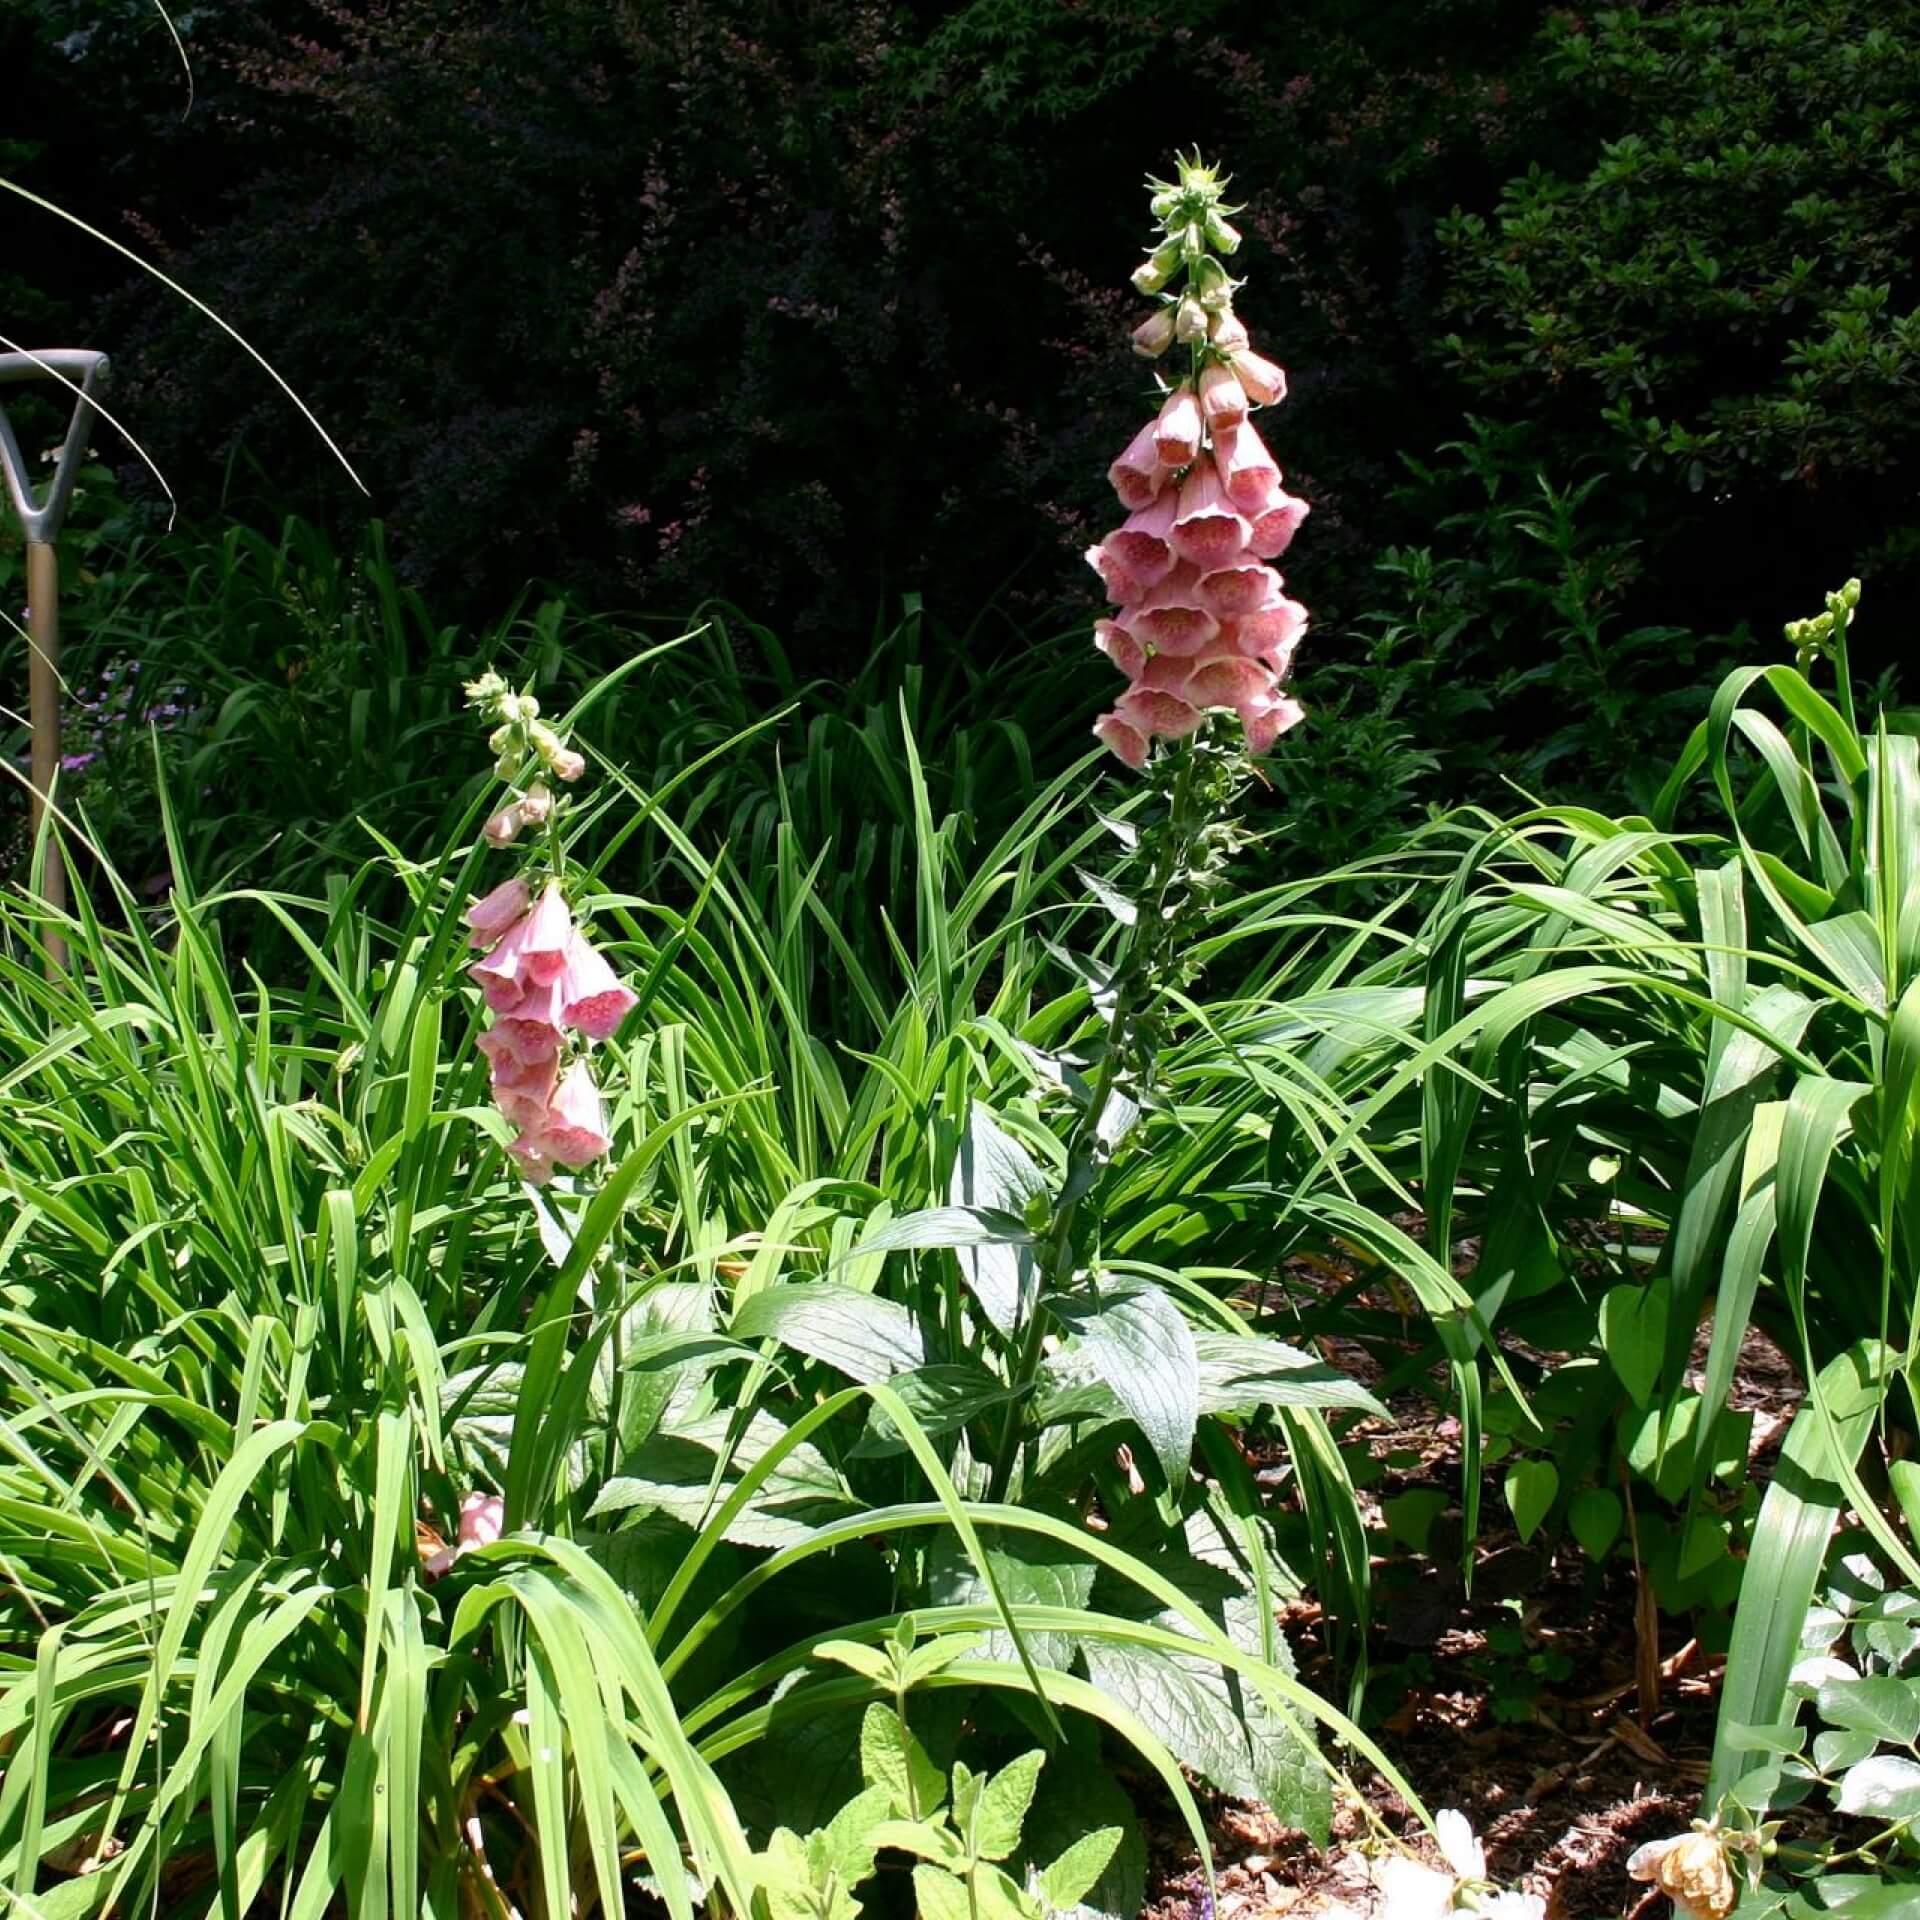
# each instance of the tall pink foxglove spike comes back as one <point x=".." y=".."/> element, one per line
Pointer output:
<point x="1201" y="625"/>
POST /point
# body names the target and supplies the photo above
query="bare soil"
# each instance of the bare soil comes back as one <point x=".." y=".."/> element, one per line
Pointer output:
<point x="1561" y="1779"/>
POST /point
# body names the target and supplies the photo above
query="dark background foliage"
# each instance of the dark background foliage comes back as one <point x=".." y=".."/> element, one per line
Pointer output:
<point x="816" y="303"/>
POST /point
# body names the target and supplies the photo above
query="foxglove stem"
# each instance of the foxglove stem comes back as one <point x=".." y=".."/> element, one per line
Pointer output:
<point x="1136" y="976"/>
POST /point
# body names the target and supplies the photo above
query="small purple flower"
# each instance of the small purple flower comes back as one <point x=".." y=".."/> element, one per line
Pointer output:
<point x="77" y="762"/>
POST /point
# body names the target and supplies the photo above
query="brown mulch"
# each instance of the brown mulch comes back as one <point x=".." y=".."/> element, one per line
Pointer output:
<point x="1569" y="1777"/>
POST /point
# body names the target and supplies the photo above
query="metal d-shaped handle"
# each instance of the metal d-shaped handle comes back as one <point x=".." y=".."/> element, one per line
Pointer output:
<point x="82" y="372"/>
<point x="87" y="371"/>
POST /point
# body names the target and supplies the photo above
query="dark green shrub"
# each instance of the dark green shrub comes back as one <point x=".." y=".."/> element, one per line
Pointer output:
<point x="1713" y="285"/>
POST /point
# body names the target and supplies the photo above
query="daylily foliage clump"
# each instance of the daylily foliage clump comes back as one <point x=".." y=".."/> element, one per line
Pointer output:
<point x="1201" y="622"/>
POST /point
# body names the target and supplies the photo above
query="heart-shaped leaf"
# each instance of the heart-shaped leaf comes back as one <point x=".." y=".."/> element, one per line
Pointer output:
<point x="1594" y="1518"/>
<point x="1531" y="1487"/>
<point x="1633" y="1330"/>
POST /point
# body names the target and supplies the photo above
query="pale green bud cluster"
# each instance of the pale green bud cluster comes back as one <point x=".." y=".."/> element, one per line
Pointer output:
<point x="1194" y="228"/>
<point x="1816" y="636"/>
<point x="519" y="735"/>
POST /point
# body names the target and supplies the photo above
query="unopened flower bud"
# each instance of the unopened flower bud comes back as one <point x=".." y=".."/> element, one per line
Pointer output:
<point x="1222" y="235"/>
<point x="527" y="708"/>
<point x="1226" y="331"/>
<point x="1159" y="267"/>
<point x="1190" y="321"/>
<point x="566" y="764"/>
<point x="1222" y="399"/>
<point x="1176" y="434"/>
<point x="1154" y="335"/>
<point x="1197" y="178"/>
<point x="1264" y="383"/>
<point x="499" y="740"/>
<point x="1210" y="281"/>
<point x="503" y="828"/>
<point x="536" y="804"/>
<point x="1164" y="203"/>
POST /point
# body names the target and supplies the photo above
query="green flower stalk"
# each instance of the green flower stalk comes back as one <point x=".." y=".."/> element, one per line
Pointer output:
<point x="1205" y="636"/>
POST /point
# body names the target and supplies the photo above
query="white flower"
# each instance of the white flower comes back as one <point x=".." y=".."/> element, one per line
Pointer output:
<point x="1465" y="1855"/>
<point x="1410" y="1890"/>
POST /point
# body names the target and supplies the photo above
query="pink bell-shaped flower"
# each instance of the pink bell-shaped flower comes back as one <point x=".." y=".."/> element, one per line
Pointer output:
<point x="533" y="951"/>
<point x="1177" y="433"/>
<point x="1171" y="618"/>
<point x="482" y="1520"/>
<point x="1120" y="647"/>
<point x="1123" y="588"/>
<point x="574" y="1131"/>
<point x="1235" y="591"/>
<point x="1141" y="548"/>
<point x="1158" y="714"/>
<point x="490" y="918"/>
<point x="1274" y="526"/>
<point x="530" y="1155"/>
<point x="1266" y="726"/>
<point x="593" y="998"/>
<point x="1273" y="632"/>
<point x="1139" y="474"/>
<point x="1248" y="471"/>
<point x="1236" y="683"/>
<point x="1207" y="528"/>
<point x="1166" y="673"/>
<point x="1262" y="382"/>
<point x="1129" y="743"/>
<point x="1222" y="398"/>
